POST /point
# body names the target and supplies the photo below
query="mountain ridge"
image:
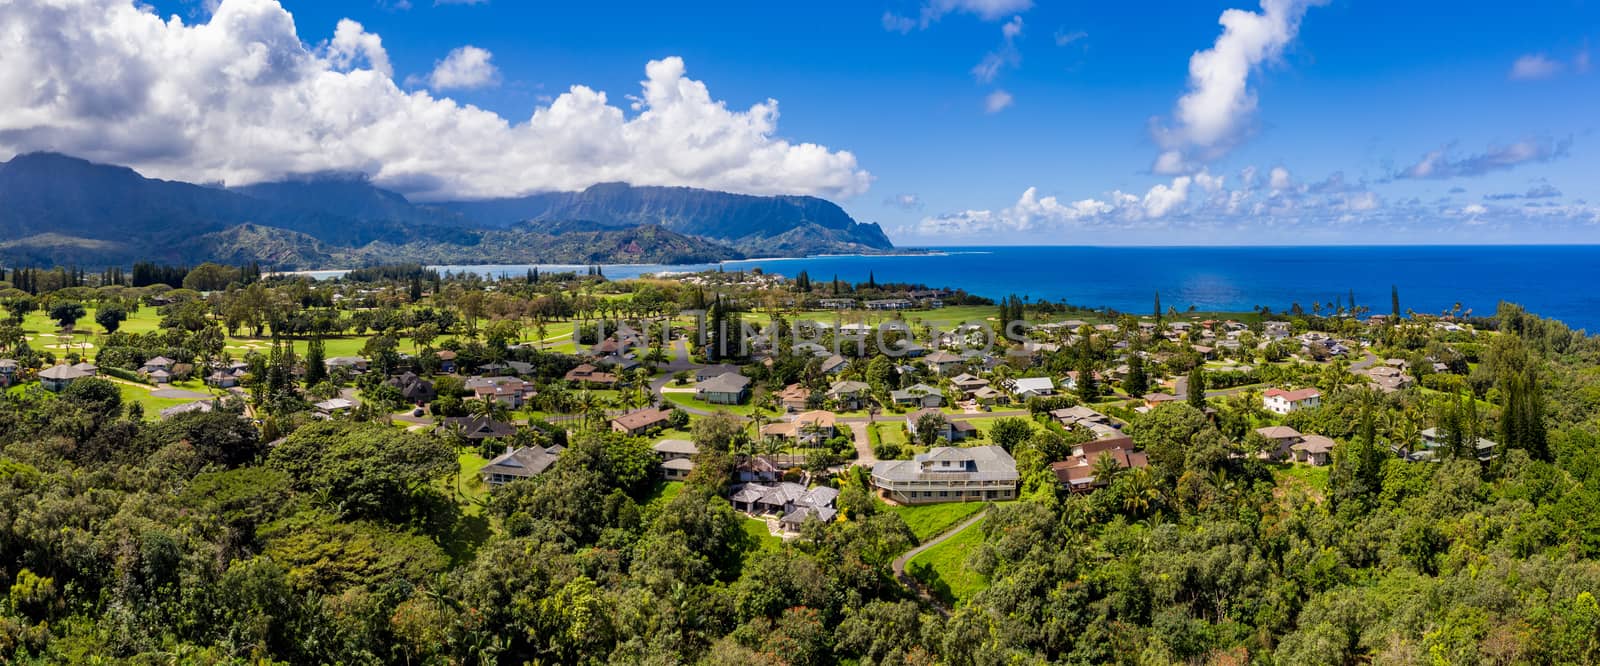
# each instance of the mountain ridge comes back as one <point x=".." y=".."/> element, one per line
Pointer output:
<point x="58" y="209"/>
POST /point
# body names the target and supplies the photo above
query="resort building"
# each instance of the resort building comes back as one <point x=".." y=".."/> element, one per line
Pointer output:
<point x="949" y="474"/>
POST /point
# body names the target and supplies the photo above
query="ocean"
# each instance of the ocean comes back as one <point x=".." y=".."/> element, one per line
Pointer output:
<point x="1562" y="282"/>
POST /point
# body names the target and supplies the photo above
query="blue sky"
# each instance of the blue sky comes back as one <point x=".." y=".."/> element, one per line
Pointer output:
<point x="1385" y="122"/>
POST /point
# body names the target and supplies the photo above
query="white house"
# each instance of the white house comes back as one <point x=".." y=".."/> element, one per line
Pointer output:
<point x="1033" y="387"/>
<point x="1279" y="401"/>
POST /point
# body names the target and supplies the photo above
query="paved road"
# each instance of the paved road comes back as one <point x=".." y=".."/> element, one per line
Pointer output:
<point x="858" y="433"/>
<point x="916" y="586"/>
<point x="1367" y="361"/>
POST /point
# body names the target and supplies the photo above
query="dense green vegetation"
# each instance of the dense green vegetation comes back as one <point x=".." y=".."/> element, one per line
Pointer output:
<point x="259" y="533"/>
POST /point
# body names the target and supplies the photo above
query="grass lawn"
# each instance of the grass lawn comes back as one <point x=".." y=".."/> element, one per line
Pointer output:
<point x="687" y="400"/>
<point x="928" y="520"/>
<point x="664" y="492"/>
<point x="943" y="568"/>
<point x="757" y="529"/>
<point x="470" y="490"/>
<point x="152" y="404"/>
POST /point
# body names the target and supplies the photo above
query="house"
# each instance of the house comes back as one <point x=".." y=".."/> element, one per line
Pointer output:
<point x="756" y="469"/>
<point x="1154" y="400"/>
<point x="952" y="431"/>
<point x="917" y="395"/>
<point x="640" y="421"/>
<point x="1282" y="439"/>
<point x="832" y="365"/>
<point x="447" y="360"/>
<point x="512" y="392"/>
<point x="350" y="363"/>
<point x="1033" y="387"/>
<point x="1313" y="449"/>
<point x="517" y="464"/>
<point x="58" y="378"/>
<point x="1077" y="472"/>
<point x="477" y="427"/>
<point x="990" y="395"/>
<point x="414" y="389"/>
<point x="812" y="428"/>
<point x="707" y="372"/>
<point x="890" y="304"/>
<point x="849" y="395"/>
<point x="677" y="458"/>
<point x="794" y="397"/>
<point x="967" y="384"/>
<point x="792" y="502"/>
<point x="836" y="303"/>
<point x="587" y="374"/>
<point x="1279" y="401"/>
<point x="202" y="406"/>
<point x="87" y="368"/>
<point x="157" y="363"/>
<point x="8" y="372"/>
<point x="1079" y="416"/>
<point x="949" y="474"/>
<point x="1433" y="441"/>
<point x="222" y="379"/>
<point x="328" y="408"/>
<point x="729" y="388"/>
<point x="943" y="362"/>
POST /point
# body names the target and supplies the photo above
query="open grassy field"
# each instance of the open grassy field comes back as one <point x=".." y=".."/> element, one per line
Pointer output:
<point x="688" y="400"/>
<point x="1311" y="477"/>
<point x="757" y="529"/>
<point x="152" y="405"/>
<point x="470" y="490"/>
<point x="943" y="568"/>
<point x="928" y="520"/>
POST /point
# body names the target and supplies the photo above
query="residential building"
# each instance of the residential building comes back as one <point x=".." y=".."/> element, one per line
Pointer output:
<point x="794" y="397"/>
<point x="477" y="427"/>
<point x="328" y="408"/>
<point x="1283" y="438"/>
<point x="1313" y="449"/>
<point x="948" y="430"/>
<point x="812" y="428"/>
<point x="350" y="363"/>
<point x="1077" y="473"/>
<point x="1080" y="416"/>
<point x="917" y="395"/>
<point x="9" y="369"/>
<point x="791" y="502"/>
<point x="967" y="384"/>
<point x="1433" y="441"/>
<point x="58" y="378"/>
<point x="414" y="389"/>
<point x="513" y="392"/>
<point x="833" y="364"/>
<point x="518" y="464"/>
<point x="1033" y="387"/>
<point x="849" y="395"/>
<point x="943" y="362"/>
<point x="677" y="458"/>
<point x="890" y="304"/>
<point x="588" y="374"/>
<point x="641" y="421"/>
<point x="949" y="474"/>
<point x="729" y="388"/>
<point x="836" y="303"/>
<point x="1279" y="401"/>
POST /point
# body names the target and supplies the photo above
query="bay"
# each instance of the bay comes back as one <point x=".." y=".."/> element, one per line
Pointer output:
<point x="1562" y="282"/>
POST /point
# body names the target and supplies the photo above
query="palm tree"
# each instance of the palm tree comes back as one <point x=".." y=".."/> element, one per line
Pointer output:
<point x="1141" y="494"/>
<point x="1105" y="469"/>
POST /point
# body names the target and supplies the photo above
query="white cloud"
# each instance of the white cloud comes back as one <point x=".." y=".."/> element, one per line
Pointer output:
<point x="1442" y="163"/>
<point x="1162" y="199"/>
<point x="351" y="42"/>
<point x="933" y="10"/>
<point x="1534" y="66"/>
<point x="465" y="68"/>
<point x="997" y="101"/>
<point x="1064" y="38"/>
<point x="1012" y="28"/>
<point x="1007" y="54"/>
<point x="240" y="98"/>
<point x="1214" y="113"/>
<point x="905" y="201"/>
<point x="1278" y="179"/>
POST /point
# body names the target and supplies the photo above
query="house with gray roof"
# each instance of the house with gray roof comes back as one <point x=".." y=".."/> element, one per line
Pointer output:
<point x="917" y="395"/>
<point x="58" y="378"/>
<point x="677" y="458"/>
<point x="518" y="464"/>
<point x="729" y="388"/>
<point x="849" y="395"/>
<point x="949" y="474"/>
<point x="8" y="372"/>
<point x="792" y="503"/>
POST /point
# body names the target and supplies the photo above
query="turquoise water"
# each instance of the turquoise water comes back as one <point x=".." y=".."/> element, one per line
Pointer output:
<point x="1555" y="281"/>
